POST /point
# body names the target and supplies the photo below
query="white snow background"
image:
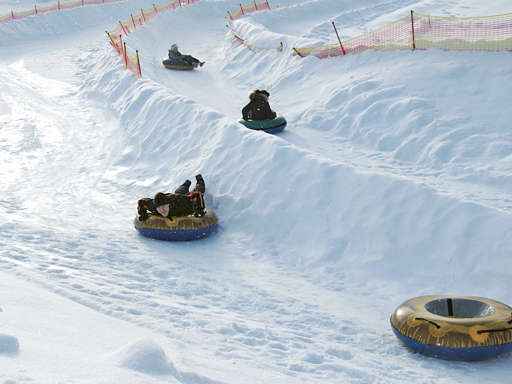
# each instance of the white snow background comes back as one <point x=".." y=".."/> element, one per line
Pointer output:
<point x="392" y="180"/>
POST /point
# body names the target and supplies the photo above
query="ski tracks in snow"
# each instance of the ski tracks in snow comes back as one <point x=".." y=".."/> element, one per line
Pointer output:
<point x="208" y="295"/>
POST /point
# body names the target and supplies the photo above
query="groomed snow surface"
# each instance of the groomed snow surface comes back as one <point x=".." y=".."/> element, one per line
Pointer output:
<point x="392" y="180"/>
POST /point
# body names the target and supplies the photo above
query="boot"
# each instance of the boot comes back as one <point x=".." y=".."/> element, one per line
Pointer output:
<point x="200" y="186"/>
<point x="183" y="188"/>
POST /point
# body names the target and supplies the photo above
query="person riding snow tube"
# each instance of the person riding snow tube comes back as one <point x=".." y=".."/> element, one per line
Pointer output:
<point x="259" y="116"/>
<point x="178" y="61"/>
<point x="181" y="215"/>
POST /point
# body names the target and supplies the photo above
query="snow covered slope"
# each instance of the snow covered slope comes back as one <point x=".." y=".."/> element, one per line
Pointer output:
<point x="392" y="180"/>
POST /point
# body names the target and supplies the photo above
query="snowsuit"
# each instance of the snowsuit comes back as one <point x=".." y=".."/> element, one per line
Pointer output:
<point x="259" y="107"/>
<point x="190" y="60"/>
<point x="181" y="202"/>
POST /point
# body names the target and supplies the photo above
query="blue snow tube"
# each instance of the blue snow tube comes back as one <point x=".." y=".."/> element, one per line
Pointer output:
<point x="275" y="125"/>
<point x="179" y="228"/>
<point x="462" y="328"/>
<point x="176" y="64"/>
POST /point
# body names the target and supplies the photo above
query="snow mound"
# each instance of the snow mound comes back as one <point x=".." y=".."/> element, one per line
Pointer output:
<point x="8" y="343"/>
<point x="145" y="356"/>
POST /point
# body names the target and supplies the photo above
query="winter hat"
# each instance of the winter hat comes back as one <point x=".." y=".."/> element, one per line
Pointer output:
<point x="257" y="94"/>
<point x="263" y="92"/>
<point x="160" y="199"/>
<point x="174" y="46"/>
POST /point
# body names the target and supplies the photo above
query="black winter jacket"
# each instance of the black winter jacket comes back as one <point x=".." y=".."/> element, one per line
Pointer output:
<point x="258" y="108"/>
<point x="179" y="205"/>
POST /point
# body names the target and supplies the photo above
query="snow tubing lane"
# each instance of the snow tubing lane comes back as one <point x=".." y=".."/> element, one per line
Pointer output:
<point x="180" y="228"/>
<point x="462" y="328"/>
<point x="274" y="125"/>
<point x="177" y="64"/>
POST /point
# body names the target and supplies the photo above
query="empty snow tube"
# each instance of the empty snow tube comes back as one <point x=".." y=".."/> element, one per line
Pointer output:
<point x="275" y="125"/>
<point x="180" y="228"/>
<point x="177" y="64"/>
<point x="462" y="328"/>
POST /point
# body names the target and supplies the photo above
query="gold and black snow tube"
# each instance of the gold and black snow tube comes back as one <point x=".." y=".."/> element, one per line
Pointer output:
<point x="464" y="328"/>
<point x="177" y="228"/>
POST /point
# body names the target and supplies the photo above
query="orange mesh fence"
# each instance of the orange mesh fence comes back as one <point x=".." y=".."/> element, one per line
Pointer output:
<point x="253" y="47"/>
<point x="245" y="9"/>
<point x="489" y="33"/>
<point x="74" y="4"/>
<point x="58" y="6"/>
<point x="131" y="62"/>
<point x="126" y="27"/>
<point x="117" y="43"/>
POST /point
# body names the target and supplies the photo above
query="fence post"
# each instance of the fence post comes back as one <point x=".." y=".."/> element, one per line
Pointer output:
<point x="341" y="45"/>
<point x="35" y="7"/>
<point x="241" y="9"/>
<point x="268" y="6"/>
<point x="58" y="5"/>
<point x="12" y="15"/>
<point x="231" y="17"/>
<point x="110" y="37"/>
<point x="121" y="24"/>
<point x="143" y="16"/>
<point x="125" y="58"/>
<point x="112" y="43"/>
<point x="297" y="52"/>
<point x="412" y="23"/>
<point x="133" y="22"/>
<point x="155" y="8"/>
<point x="138" y="63"/>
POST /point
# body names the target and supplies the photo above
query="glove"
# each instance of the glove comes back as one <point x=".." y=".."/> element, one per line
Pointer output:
<point x="143" y="216"/>
<point x="199" y="213"/>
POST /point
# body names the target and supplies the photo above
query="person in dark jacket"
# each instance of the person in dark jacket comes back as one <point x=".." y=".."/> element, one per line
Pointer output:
<point x="180" y="203"/>
<point x="190" y="60"/>
<point x="259" y="107"/>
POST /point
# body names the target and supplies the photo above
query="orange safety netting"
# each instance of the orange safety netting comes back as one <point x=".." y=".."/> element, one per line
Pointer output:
<point x="59" y="5"/>
<point x="252" y="47"/>
<point x="245" y="9"/>
<point x="124" y="28"/>
<point x="489" y="33"/>
<point x="132" y="63"/>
